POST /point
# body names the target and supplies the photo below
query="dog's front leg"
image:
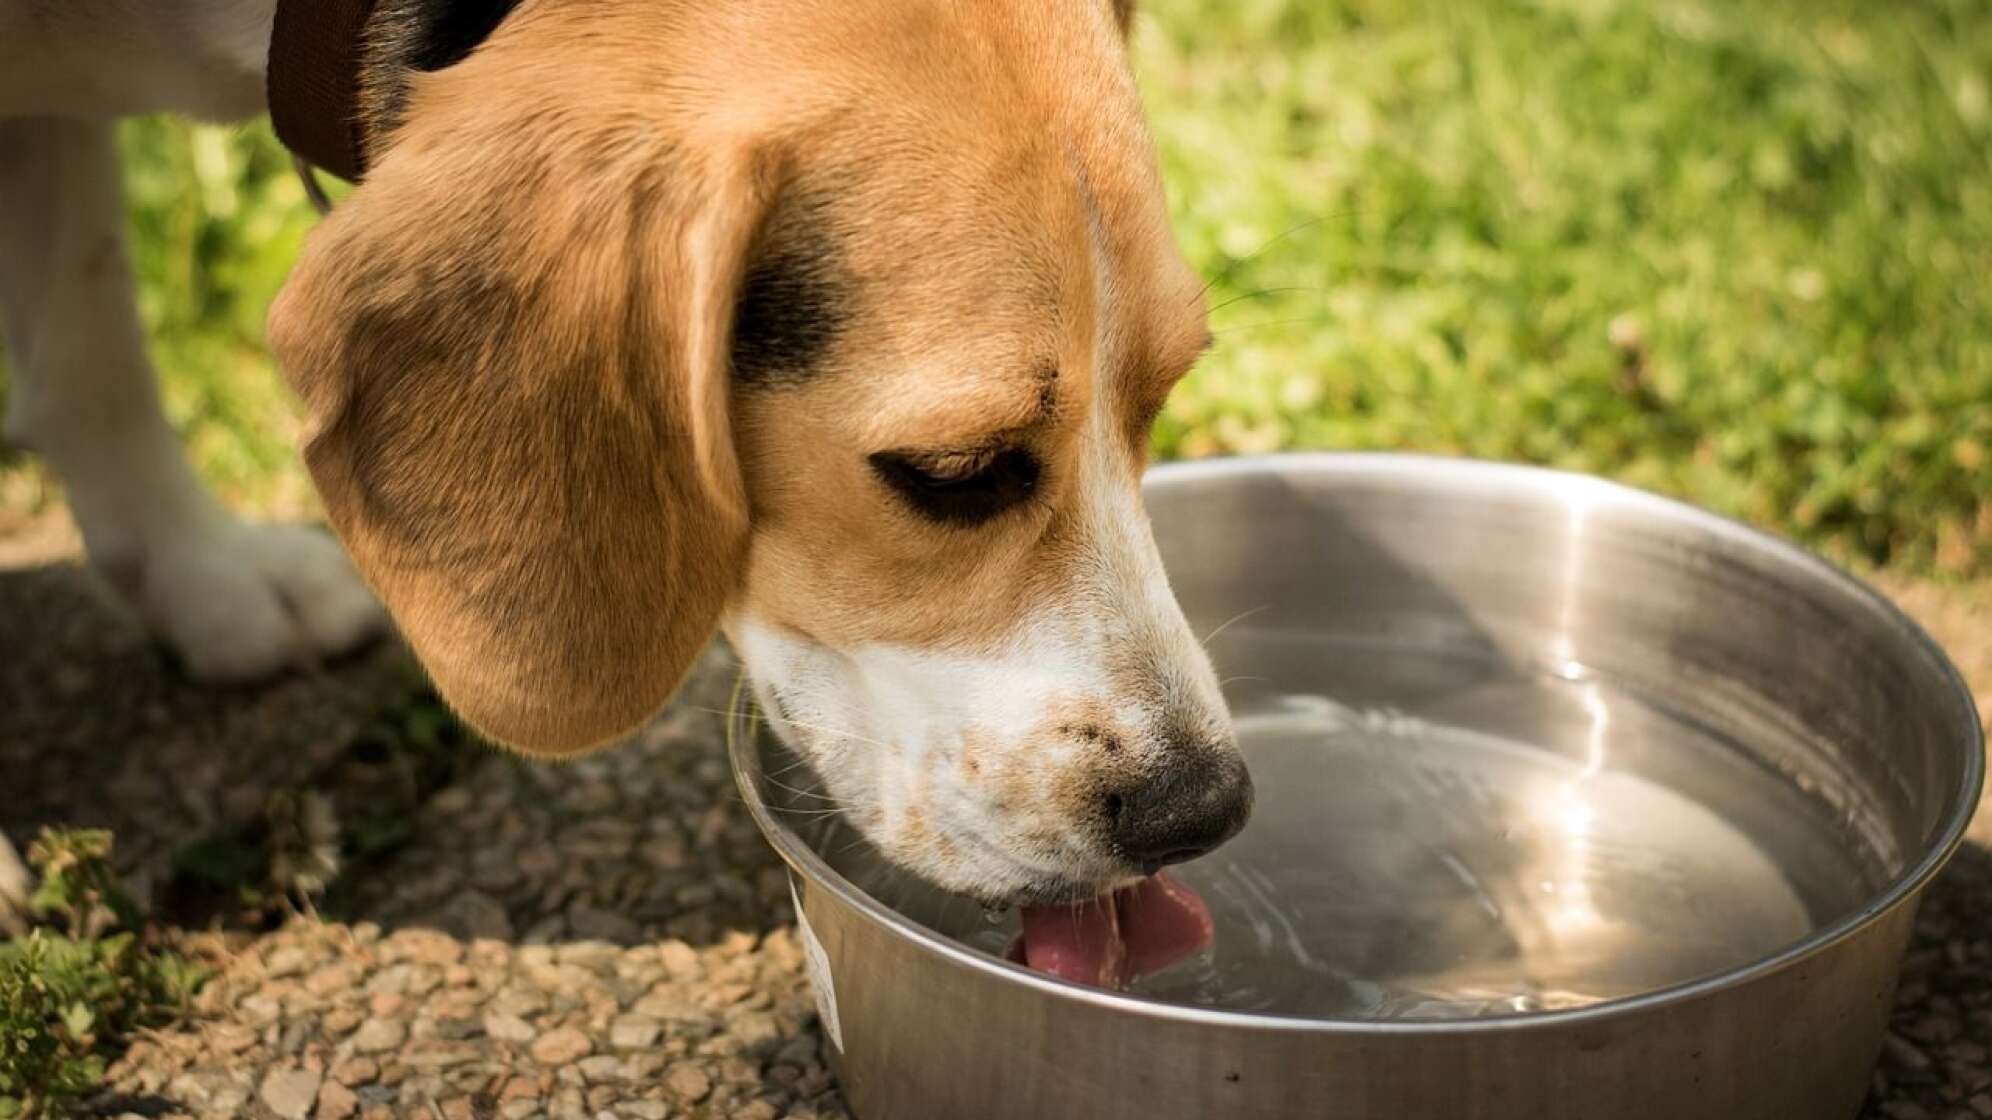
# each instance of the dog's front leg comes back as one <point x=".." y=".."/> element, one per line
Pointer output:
<point x="236" y="601"/>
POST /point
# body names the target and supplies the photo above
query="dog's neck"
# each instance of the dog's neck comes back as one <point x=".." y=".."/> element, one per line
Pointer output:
<point x="338" y="69"/>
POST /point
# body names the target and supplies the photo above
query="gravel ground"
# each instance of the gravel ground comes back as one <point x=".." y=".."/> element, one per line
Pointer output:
<point x="338" y="1020"/>
<point x="96" y="728"/>
<point x="604" y="938"/>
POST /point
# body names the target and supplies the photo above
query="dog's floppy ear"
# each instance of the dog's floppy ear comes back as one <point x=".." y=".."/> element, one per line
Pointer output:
<point x="1124" y="14"/>
<point x="511" y="343"/>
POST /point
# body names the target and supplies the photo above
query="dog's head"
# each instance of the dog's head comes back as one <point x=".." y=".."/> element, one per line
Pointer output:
<point x="840" y="327"/>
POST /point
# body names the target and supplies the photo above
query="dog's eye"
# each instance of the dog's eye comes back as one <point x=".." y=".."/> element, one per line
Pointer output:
<point x="960" y="488"/>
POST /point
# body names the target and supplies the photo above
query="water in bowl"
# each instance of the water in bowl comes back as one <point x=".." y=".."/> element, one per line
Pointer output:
<point x="1447" y="836"/>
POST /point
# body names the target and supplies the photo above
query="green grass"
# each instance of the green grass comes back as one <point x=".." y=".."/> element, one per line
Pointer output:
<point x="1790" y="205"/>
<point x="1733" y="252"/>
<point x="217" y="218"/>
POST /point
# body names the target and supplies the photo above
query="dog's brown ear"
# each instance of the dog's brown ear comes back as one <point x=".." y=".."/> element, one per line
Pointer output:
<point x="511" y="344"/>
<point x="1124" y="14"/>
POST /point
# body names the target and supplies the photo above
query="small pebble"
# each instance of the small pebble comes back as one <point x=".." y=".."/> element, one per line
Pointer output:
<point x="634" y="1032"/>
<point x="457" y="1029"/>
<point x="335" y="1102"/>
<point x="567" y="1105"/>
<point x="679" y="960"/>
<point x="231" y="1038"/>
<point x="600" y="1068"/>
<point x="379" y="1035"/>
<point x="289" y="1093"/>
<point x="1905" y="1053"/>
<point x="355" y="1071"/>
<point x="508" y="1028"/>
<point x="561" y="1046"/>
<point x="286" y="961"/>
<point x="688" y="1082"/>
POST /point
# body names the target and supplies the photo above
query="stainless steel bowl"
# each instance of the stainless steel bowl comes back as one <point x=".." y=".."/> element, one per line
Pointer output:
<point x="1575" y="803"/>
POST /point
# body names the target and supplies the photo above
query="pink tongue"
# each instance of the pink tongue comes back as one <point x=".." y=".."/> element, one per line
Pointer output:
<point x="1111" y="940"/>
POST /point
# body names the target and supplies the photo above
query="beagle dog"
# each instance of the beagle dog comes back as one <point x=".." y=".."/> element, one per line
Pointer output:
<point x="838" y="327"/>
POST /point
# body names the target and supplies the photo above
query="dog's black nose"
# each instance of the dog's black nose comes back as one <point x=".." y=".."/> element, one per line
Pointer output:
<point x="1182" y="812"/>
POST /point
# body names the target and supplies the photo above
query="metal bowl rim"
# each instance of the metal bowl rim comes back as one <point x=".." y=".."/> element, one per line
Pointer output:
<point x="1512" y="477"/>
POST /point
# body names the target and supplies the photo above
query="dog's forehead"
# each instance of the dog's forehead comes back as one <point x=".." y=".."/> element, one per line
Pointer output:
<point x="997" y="126"/>
<point x="1005" y="261"/>
<point x="980" y="180"/>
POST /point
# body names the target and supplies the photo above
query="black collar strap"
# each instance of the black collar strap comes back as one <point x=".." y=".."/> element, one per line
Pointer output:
<point x="314" y="82"/>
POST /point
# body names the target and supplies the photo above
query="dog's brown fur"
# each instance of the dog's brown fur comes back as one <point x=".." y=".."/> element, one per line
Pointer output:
<point x="515" y="339"/>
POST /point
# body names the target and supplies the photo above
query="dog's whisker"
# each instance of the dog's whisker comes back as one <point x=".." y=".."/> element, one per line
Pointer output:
<point x="1233" y="621"/>
<point x="1235" y="680"/>
<point x="791" y="813"/>
<point x="1226" y="272"/>
<point x="856" y="843"/>
<point x="1261" y="294"/>
<point x="837" y="800"/>
<point x="1273" y="323"/>
<point x="820" y="729"/>
<point x="837" y="803"/>
<point x="792" y="767"/>
<point x="834" y="806"/>
<point x="800" y="792"/>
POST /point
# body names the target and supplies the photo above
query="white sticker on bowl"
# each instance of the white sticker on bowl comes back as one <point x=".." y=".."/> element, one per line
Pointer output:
<point x="816" y="963"/>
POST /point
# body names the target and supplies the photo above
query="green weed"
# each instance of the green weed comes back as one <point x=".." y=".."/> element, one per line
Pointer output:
<point x="70" y="992"/>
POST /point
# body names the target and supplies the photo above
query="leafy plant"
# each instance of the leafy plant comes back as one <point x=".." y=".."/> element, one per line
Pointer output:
<point x="78" y="886"/>
<point x="69" y="996"/>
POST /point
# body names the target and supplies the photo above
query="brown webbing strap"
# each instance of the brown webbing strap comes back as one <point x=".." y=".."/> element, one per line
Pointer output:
<point x="314" y="82"/>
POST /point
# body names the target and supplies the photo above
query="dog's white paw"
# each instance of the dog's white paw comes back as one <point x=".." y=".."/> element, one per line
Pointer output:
<point x="240" y="601"/>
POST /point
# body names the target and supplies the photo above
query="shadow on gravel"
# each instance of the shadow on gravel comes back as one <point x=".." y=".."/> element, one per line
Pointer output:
<point x="633" y="843"/>
<point x="99" y="728"/>
<point x="1937" y="1061"/>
